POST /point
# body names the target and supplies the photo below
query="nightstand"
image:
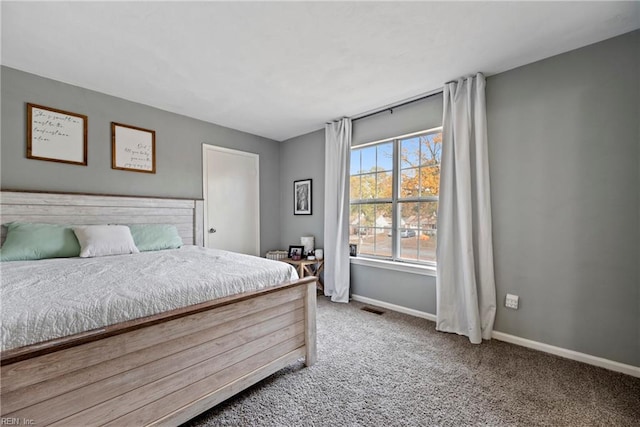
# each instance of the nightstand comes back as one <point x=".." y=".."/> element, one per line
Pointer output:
<point x="308" y="267"/>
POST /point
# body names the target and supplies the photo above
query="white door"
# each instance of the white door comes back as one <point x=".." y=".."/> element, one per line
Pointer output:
<point x="231" y="187"/>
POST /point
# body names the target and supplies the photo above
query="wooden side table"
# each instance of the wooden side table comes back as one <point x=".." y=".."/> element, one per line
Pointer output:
<point x="308" y="267"/>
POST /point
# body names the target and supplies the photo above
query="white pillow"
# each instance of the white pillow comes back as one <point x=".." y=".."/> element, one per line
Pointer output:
<point x="101" y="240"/>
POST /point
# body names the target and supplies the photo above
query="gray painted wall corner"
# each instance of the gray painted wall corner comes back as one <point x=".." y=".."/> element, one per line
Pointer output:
<point x="302" y="157"/>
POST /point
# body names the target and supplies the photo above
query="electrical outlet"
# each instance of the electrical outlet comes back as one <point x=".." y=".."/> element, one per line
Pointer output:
<point x="511" y="301"/>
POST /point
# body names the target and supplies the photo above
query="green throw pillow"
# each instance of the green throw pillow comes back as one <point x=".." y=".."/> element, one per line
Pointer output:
<point x="27" y="241"/>
<point x="154" y="237"/>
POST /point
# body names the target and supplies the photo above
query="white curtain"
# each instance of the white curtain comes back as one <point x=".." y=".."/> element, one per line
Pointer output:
<point x="465" y="284"/>
<point x="336" y="210"/>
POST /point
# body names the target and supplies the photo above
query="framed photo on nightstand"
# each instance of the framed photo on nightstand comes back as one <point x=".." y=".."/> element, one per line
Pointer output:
<point x="295" y="252"/>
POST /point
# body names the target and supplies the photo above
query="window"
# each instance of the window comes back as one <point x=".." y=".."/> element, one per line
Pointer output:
<point x="394" y="197"/>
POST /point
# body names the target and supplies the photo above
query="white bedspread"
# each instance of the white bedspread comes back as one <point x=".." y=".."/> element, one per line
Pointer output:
<point x="47" y="299"/>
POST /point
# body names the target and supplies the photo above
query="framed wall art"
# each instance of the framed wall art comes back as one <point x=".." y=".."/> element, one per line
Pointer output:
<point x="302" y="197"/>
<point x="56" y="135"/>
<point x="133" y="148"/>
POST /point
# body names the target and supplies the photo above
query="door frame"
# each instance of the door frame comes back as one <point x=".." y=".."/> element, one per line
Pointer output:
<point x="205" y="186"/>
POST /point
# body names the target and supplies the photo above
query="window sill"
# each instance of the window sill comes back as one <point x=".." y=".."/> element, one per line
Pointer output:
<point x="425" y="270"/>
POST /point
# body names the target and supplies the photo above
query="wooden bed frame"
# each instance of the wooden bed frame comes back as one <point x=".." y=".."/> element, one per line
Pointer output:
<point x="162" y="369"/>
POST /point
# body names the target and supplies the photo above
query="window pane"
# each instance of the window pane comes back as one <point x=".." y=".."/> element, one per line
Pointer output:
<point x="368" y="186"/>
<point x="354" y="214"/>
<point x="385" y="157"/>
<point x="410" y="152"/>
<point x="428" y="231"/>
<point x="384" y="185"/>
<point x="354" y="188"/>
<point x="431" y="149"/>
<point x="409" y="186"/>
<point x="366" y="244"/>
<point x="418" y="231"/>
<point x="354" y="162"/>
<point x="368" y="159"/>
<point x="427" y="245"/>
<point x="429" y="181"/>
<point x="428" y="215"/>
<point x="354" y="219"/>
<point x="409" y="245"/>
<point x="354" y="223"/>
<point x="408" y="230"/>
<point x="383" y="242"/>
<point x="375" y="240"/>
<point x="409" y="215"/>
<point x="383" y="215"/>
<point x="367" y="215"/>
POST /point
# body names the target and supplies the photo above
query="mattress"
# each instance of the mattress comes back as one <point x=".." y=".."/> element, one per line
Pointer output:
<point x="47" y="299"/>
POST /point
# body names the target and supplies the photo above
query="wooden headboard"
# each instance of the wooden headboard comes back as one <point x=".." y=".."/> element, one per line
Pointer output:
<point x="76" y="209"/>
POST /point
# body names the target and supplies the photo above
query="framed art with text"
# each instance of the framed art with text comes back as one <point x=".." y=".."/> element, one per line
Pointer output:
<point x="133" y="148"/>
<point x="56" y="135"/>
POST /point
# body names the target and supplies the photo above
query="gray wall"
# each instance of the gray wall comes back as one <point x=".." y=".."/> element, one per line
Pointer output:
<point x="179" y="142"/>
<point x="563" y="147"/>
<point x="302" y="157"/>
<point x="564" y="156"/>
<point x="409" y="290"/>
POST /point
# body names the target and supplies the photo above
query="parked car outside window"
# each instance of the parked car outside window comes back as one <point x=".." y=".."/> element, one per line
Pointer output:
<point x="406" y="232"/>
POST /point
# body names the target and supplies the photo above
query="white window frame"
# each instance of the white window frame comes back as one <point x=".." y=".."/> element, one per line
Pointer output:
<point x="395" y="262"/>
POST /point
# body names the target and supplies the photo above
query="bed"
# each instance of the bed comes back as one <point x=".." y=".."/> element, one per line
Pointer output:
<point x="169" y="362"/>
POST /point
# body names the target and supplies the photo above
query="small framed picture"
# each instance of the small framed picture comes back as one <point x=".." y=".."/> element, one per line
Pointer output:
<point x="353" y="249"/>
<point x="295" y="252"/>
<point x="302" y="197"/>
<point x="133" y="148"/>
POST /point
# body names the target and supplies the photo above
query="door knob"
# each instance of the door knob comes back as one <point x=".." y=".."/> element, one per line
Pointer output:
<point x="212" y="230"/>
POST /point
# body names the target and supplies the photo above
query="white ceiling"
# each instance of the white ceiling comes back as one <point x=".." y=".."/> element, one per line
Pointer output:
<point x="283" y="69"/>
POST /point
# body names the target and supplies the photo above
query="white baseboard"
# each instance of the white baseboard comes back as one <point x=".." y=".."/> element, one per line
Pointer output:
<point x="569" y="354"/>
<point x="398" y="308"/>
<point x="535" y="345"/>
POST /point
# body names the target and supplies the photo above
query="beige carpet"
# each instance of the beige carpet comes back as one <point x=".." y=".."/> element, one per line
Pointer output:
<point x="396" y="370"/>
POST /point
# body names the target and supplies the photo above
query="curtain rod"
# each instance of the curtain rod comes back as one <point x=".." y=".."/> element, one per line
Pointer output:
<point x="400" y="104"/>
